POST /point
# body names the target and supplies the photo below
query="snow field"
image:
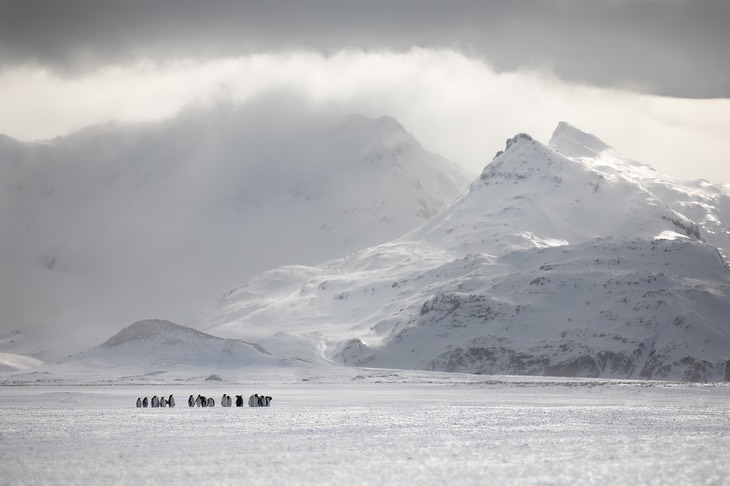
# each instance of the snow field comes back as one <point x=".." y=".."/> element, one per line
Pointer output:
<point x="494" y="432"/>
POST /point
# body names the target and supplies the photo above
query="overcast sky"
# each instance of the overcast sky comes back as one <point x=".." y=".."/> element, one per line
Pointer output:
<point x="650" y="77"/>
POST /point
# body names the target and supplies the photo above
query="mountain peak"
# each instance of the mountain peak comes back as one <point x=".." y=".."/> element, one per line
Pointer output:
<point x="573" y="142"/>
<point x="523" y="158"/>
<point x="150" y="329"/>
<point x="512" y="141"/>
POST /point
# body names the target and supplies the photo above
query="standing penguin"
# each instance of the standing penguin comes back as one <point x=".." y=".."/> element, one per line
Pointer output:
<point x="198" y="400"/>
<point x="228" y="401"/>
<point x="211" y="402"/>
<point x="139" y="402"/>
<point x="155" y="402"/>
<point x="170" y="402"/>
<point x="239" y="401"/>
<point x="191" y="401"/>
<point x="267" y="401"/>
<point x="253" y="400"/>
<point x="144" y="402"/>
<point x="163" y="402"/>
<point x="224" y="401"/>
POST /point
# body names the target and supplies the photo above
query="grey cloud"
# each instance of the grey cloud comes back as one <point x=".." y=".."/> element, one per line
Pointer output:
<point x="672" y="47"/>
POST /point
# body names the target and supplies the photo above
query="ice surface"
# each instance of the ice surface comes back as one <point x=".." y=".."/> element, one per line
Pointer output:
<point x="380" y="427"/>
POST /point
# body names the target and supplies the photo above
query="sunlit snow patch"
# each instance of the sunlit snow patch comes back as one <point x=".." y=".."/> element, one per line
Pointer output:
<point x="671" y="235"/>
<point x="17" y="362"/>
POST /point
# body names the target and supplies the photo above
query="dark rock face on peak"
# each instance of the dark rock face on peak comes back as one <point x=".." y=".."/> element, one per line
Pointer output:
<point x="516" y="138"/>
<point x="511" y="141"/>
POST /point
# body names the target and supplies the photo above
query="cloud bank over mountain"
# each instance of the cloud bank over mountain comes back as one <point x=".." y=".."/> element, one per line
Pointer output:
<point x="121" y="222"/>
<point x="644" y="74"/>
<point x="608" y="44"/>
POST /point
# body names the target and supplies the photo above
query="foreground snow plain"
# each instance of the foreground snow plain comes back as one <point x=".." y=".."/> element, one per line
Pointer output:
<point x="372" y="427"/>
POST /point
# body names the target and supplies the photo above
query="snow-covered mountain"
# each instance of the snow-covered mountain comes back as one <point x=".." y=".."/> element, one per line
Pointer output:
<point x="560" y="260"/>
<point x="157" y="346"/>
<point x="157" y="351"/>
<point x="121" y="222"/>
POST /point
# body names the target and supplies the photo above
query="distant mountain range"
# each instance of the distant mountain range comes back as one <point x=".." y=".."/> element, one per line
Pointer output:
<point x="563" y="260"/>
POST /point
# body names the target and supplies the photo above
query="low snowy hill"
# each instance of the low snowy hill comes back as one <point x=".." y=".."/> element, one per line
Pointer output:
<point x="556" y="263"/>
<point x="158" y="346"/>
<point x="119" y="222"/>
<point x="163" y="344"/>
<point x="157" y="351"/>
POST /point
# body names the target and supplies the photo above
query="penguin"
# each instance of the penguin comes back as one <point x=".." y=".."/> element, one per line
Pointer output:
<point x="198" y="401"/>
<point x="260" y="400"/>
<point x="155" y="402"/>
<point x="191" y="401"/>
<point x="239" y="401"/>
<point x="228" y="401"/>
<point x="252" y="402"/>
<point x="163" y="402"/>
<point x="139" y="402"/>
<point x="144" y="402"/>
<point x="223" y="400"/>
<point x="211" y="402"/>
<point x="170" y="402"/>
<point x="267" y="401"/>
<point x="203" y="401"/>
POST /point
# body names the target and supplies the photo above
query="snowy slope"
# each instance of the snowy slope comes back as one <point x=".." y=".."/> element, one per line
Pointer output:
<point x="708" y="205"/>
<point x="559" y="264"/>
<point x="118" y="222"/>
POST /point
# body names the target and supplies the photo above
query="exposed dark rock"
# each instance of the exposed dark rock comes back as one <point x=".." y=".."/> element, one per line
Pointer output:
<point x="583" y="366"/>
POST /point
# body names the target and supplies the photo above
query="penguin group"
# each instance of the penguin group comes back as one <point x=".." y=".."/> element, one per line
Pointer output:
<point x="257" y="400"/>
<point x="156" y="402"/>
<point x="201" y="401"/>
<point x="254" y="400"/>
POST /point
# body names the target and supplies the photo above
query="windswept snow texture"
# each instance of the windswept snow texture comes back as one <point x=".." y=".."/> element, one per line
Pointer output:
<point x="118" y="222"/>
<point x="378" y="428"/>
<point x="563" y="260"/>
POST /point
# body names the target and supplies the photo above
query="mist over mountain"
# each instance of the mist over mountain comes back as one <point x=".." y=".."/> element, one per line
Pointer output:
<point x="564" y="260"/>
<point x="122" y="222"/>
